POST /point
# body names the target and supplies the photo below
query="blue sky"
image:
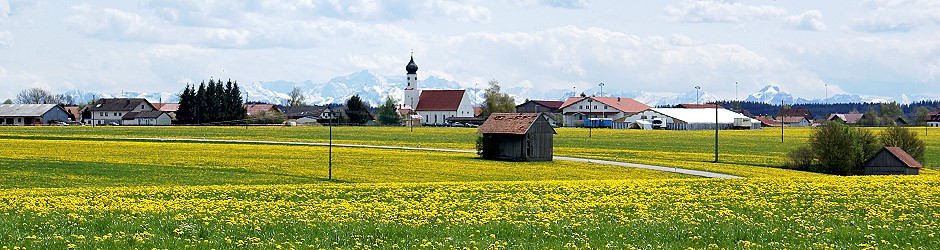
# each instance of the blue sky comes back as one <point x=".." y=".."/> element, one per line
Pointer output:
<point x="879" y="48"/>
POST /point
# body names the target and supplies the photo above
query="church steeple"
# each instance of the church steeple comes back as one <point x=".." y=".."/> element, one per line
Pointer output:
<point x="411" y="89"/>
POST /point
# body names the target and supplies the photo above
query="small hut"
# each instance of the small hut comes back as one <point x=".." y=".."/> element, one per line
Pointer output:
<point x="892" y="160"/>
<point x="517" y="137"/>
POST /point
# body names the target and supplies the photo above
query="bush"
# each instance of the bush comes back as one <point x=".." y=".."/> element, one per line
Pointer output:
<point x="839" y="149"/>
<point x="905" y="139"/>
<point x="480" y="145"/>
<point x="800" y="159"/>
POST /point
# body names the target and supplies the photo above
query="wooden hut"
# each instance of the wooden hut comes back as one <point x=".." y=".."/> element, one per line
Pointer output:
<point x="517" y="137"/>
<point x="892" y="160"/>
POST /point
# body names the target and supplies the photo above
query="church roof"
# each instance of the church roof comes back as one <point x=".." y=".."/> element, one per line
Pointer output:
<point x="412" y="68"/>
<point x="439" y="100"/>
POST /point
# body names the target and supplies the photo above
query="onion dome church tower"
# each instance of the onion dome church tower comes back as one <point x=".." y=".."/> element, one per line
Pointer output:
<point x="411" y="90"/>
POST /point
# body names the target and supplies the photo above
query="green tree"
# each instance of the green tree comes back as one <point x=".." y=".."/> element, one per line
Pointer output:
<point x="906" y="139"/>
<point x="202" y="105"/>
<point x="891" y="111"/>
<point x="357" y="111"/>
<point x="921" y="114"/>
<point x="388" y="113"/>
<point x="870" y="118"/>
<point x="496" y="101"/>
<point x="8" y="101"/>
<point x="235" y="105"/>
<point x="187" y="110"/>
<point x="297" y="98"/>
<point x="840" y="149"/>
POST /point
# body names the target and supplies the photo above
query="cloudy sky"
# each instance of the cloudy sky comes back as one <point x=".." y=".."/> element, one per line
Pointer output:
<point x="880" y="47"/>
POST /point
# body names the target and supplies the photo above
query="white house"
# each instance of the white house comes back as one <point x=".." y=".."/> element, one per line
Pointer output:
<point x="125" y="111"/>
<point x="689" y="119"/>
<point x="794" y="121"/>
<point x="31" y="114"/>
<point x="434" y="106"/>
<point x="577" y="109"/>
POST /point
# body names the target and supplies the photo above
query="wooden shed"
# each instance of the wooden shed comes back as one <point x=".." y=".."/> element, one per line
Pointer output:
<point x="517" y="137"/>
<point x="892" y="160"/>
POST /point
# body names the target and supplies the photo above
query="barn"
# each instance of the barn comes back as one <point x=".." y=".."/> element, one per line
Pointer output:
<point x="688" y="119"/>
<point x="31" y="114"/>
<point x="892" y="160"/>
<point x="517" y="137"/>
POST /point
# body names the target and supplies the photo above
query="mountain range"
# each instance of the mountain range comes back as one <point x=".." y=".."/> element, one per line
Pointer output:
<point x="374" y="88"/>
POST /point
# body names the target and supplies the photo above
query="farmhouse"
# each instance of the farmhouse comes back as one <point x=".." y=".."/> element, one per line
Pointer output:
<point x="794" y="121"/>
<point x="850" y="118"/>
<point x="168" y="108"/>
<point x="31" y="114"/>
<point x="933" y="119"/>
<point x="688" y="119"/>
<point x="257" y="108"/>
<point x="578" y="111"/>
<point x="517" y="137"/>
<point x="125" y="111"/>
<point x="796" y="112"/>
<point x="892" y="160"/>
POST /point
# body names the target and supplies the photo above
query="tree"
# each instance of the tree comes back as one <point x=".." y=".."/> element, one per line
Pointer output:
<point x="891" y="111"/>
<point x="8" y="101"/>
<point x="387" y="113"/>
<point x="496" y="101"/>
<point x="870" y="118"/>
<point x="921" y="114"/>
<point x="187" y="109"/>
<point x="905" y="139"/>
<point x="266" y="117"/>
<point x="357" y="111"/>
<point x="839" y="149"/>
<point x="297" y="98"/>
<point x="42" y="96"/>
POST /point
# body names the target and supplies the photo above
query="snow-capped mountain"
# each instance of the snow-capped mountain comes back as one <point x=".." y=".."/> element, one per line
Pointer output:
<point x="373" y="89"/>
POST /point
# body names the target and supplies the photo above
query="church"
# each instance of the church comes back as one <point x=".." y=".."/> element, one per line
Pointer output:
<point x="434" y="106"/>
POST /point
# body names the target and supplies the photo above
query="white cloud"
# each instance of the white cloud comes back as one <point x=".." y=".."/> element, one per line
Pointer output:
<point x="568" y="4"/>
<point x="697" y="11"/>
<point x="897" y="15"/>
<point x="6" y="39"/>
<point x="5" y="8"/>
<point x="810" y="20"/>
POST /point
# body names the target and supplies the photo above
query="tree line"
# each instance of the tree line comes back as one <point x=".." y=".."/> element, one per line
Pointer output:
<point x="876" y="114"/>
<point x="212" y="102"/>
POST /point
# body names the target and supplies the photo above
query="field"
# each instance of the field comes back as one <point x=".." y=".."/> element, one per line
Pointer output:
<point x="87" y="188"/>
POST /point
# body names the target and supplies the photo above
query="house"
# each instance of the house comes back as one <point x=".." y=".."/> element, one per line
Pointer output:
<point x="933" y="119"/>
<point x="74" y="113"/>
<point x="517" y="137"/>
<point x="435" y="106"/>
<point x="31" y="114"/>
<point x="149" y="118"/>
<point x="689" y="119"/>
<point x="892" y="160"/>
<point x="576" y="111"/>
<point x="850" y="118"/>
<point x="794" y="121"/>
<point x="767" y="121"/>
<point x="115" y="111"/>
<point x="168" y="108"/>
<point x="537" y="106"/>
<point x="796" y="112"/>
<point x="257" y="108"/>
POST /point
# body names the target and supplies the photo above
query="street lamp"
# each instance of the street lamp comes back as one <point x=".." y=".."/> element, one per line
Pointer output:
<point x="602" y="89"/>
<point x="826" y="99"/>
<point x="696" y="94"/>
<point x="590" y="103"/>
<point x="735" y="90"/>
<point x="330" y="169"/>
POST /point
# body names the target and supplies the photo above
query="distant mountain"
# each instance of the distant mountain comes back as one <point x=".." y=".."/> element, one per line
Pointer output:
<point x="373" y="89"/>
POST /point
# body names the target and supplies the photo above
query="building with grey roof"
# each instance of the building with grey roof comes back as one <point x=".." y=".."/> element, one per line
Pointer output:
<point x="31" y="114"/>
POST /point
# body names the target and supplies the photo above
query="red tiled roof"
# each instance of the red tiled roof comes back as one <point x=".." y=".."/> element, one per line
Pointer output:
<point x="903" y="157"/>
<point x="477" y="111"/>
<point x="767" y="120"/>
<point x="167" y="107"/>
<point x="796" y="112"/>
<point x="792" y="119"/>
<point x="439" y="100"/>
<point x="258" y="108"/>
<point x="550" y="104"/>
<point x="509" y="123"/>
<point x="933" y="117"/>
<point x="699" y="106"/>
<point x="625" y="105"/>
<point x="74" y="113"/>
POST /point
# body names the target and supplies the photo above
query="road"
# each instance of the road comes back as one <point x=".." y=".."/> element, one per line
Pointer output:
<point x="561" y="158"/>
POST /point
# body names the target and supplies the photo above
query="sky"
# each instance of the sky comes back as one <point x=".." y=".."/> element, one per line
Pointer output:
<point x="808" y="48"/>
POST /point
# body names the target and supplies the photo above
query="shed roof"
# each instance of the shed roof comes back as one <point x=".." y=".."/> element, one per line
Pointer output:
<point x="258" y="108"/>
<point x="625" y="105"/>
<point x="439" y="100"/>
<point x="117" y="104"/>
<point x="702" y="115"/>
<point x="26" y="110"/>
<point x="509" y="123"/>
<point x="902" y="156"/>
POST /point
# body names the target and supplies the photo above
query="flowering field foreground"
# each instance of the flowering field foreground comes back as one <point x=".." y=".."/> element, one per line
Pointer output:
<point x="818" y="213"/>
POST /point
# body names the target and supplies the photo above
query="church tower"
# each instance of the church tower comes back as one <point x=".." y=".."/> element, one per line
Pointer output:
<point x="411" y="90"/>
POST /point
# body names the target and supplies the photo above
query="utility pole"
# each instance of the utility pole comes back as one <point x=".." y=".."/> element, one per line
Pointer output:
<point x="716" y="132"/>
<point x="330" y="169"/>
<point x="781" y="121"/>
